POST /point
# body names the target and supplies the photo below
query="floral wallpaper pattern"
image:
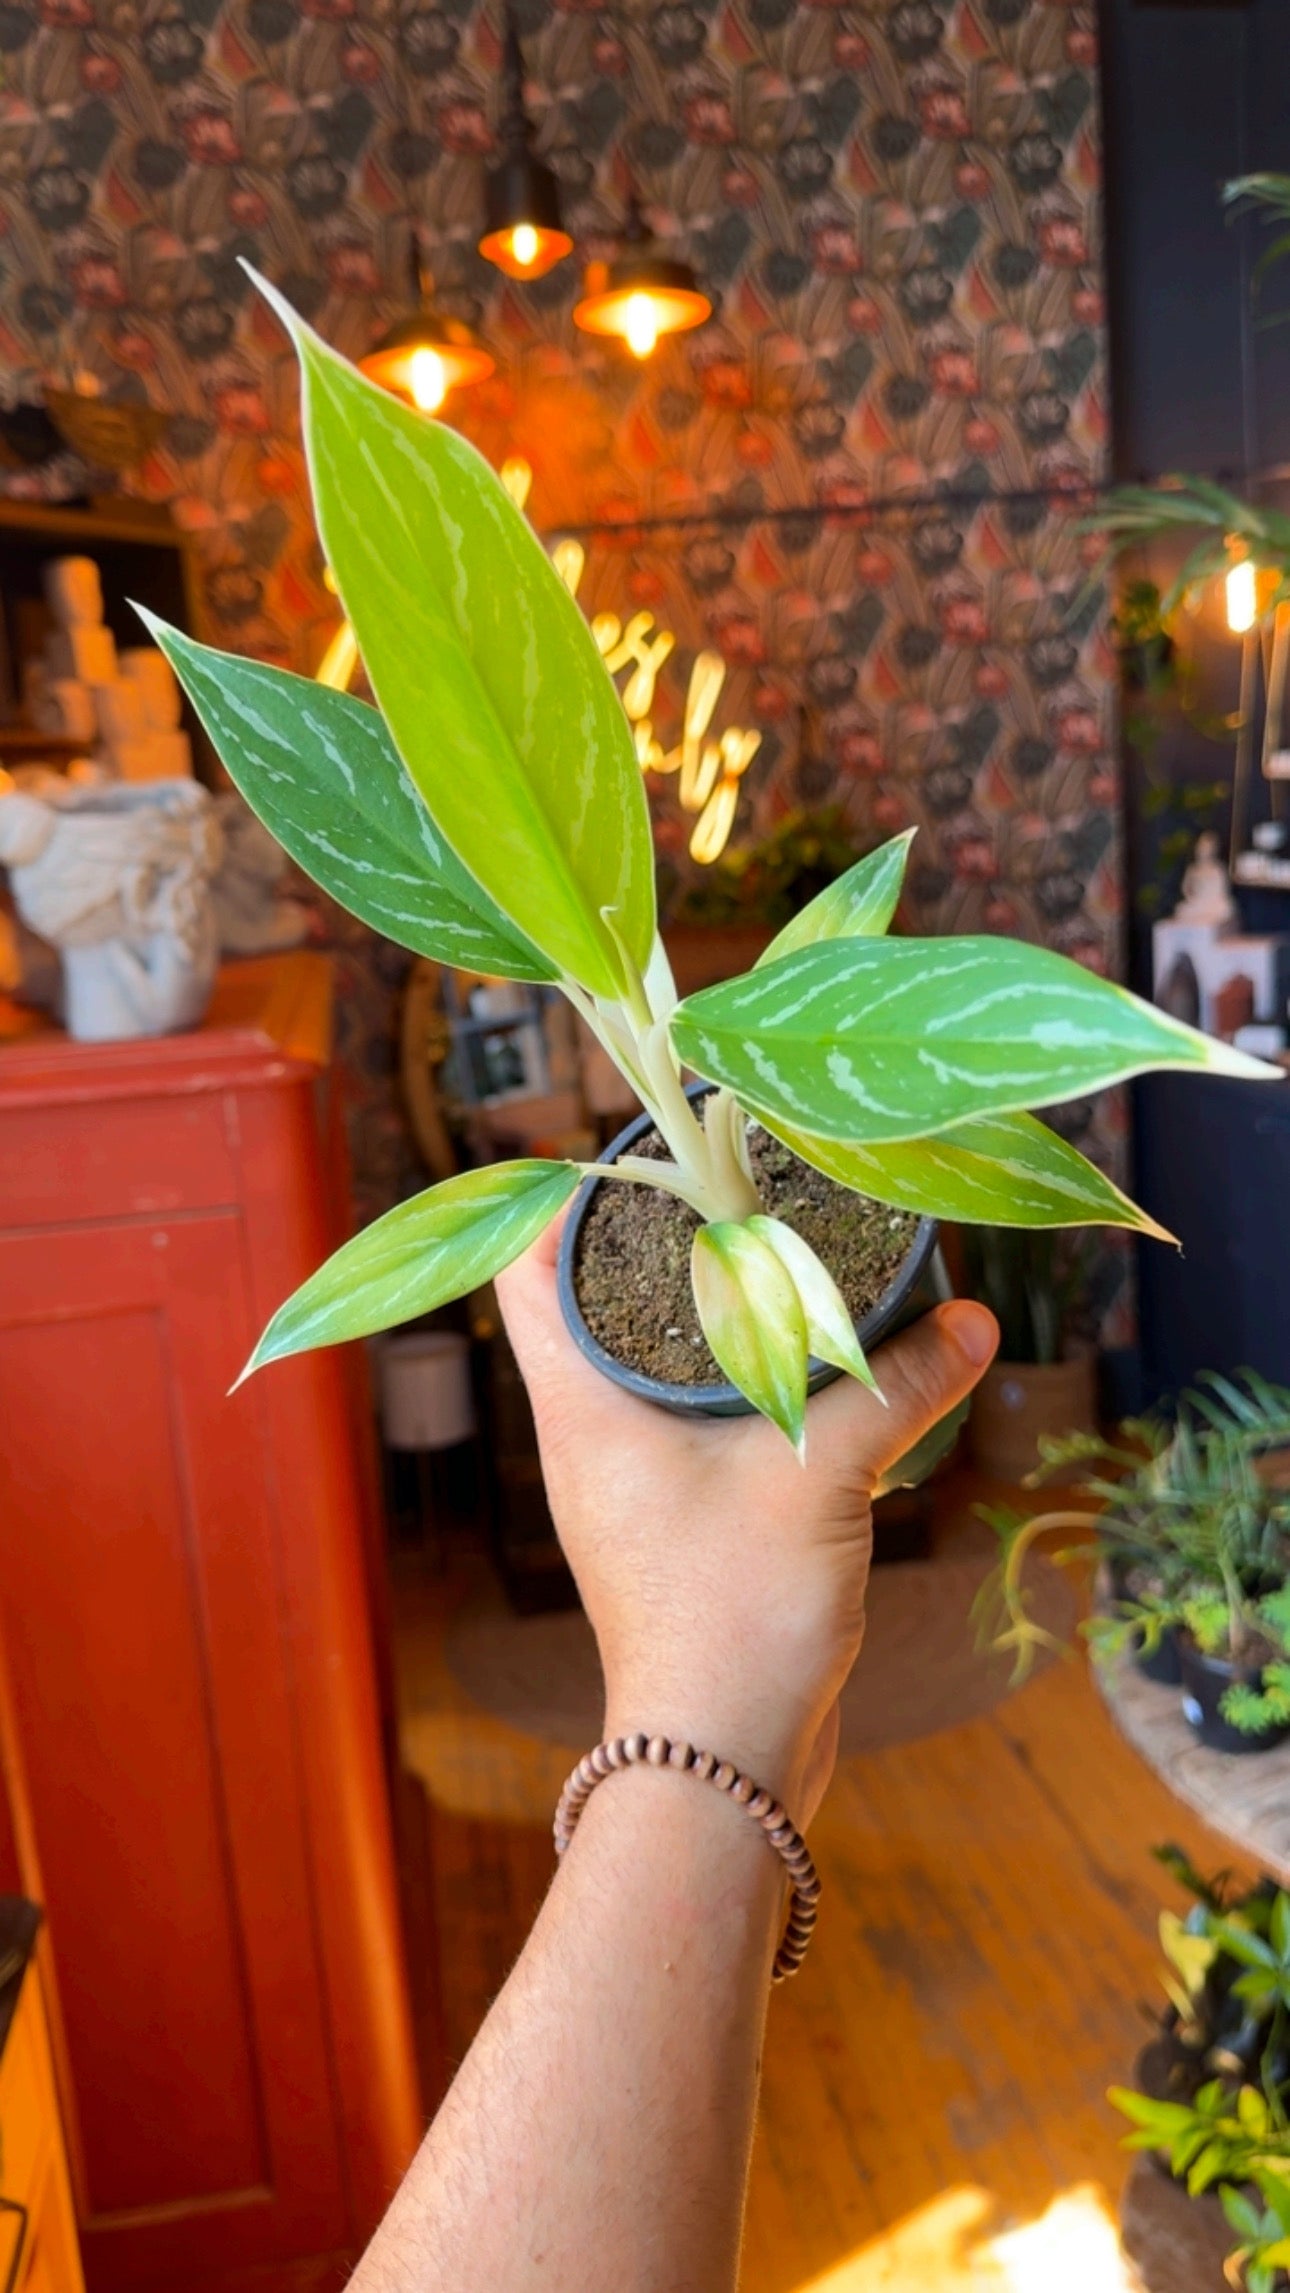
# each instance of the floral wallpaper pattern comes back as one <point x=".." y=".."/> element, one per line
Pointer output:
<point x="857" y="482"/>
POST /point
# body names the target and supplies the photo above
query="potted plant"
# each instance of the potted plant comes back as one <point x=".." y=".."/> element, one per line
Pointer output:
<point x="1212" y="2099"/>
<point x="490" y="813"/>
<point x="1234" y="1654"/>
<point x="1190" y="1521"/>
<point x="1029" y="1391"/>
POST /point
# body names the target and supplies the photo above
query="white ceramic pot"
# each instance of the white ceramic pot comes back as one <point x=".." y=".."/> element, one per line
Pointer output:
<point x="149" y="669"/>
<point x="121" y="710"/>
<point x="73" y="591"/>
<point x="426" y="1398"/>
<point x="118" y="880"/>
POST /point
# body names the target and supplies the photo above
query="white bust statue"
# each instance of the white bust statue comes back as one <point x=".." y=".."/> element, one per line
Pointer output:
<point x="117" y="878"/>
<point x="1206" y="892"/>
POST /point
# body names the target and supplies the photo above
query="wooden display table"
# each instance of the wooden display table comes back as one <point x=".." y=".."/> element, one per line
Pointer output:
<point x="1246" y="1796"/>
<point x="184" y="1605"/>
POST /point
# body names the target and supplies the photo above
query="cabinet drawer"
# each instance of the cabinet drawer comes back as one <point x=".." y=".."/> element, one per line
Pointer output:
<point x="119" y="1159"/>
<point x="24" y="2111"/>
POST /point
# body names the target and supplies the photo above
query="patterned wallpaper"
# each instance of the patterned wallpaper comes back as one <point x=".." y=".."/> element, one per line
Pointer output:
<point x="895" y="208"/>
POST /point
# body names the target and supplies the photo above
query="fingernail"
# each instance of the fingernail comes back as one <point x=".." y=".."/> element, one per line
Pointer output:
<point x="972" y="1329"/>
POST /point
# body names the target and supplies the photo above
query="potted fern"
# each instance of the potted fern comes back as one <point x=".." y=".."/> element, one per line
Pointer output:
<point x="1189" y="1519"/>
<point x="490" y="813"/>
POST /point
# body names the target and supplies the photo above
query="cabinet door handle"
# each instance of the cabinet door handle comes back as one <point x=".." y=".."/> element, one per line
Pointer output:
<point x="11" y="2205"/>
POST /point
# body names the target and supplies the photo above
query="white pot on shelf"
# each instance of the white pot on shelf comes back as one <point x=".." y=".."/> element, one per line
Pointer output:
<point x="118" y="879"/>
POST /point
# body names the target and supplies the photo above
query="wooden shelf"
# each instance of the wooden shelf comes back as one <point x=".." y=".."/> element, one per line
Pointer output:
<point x="15" y="740"/>
<point x="122" y="520"/>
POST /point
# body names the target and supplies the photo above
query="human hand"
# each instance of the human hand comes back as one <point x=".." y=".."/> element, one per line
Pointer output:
<point x="724" y="1581"/>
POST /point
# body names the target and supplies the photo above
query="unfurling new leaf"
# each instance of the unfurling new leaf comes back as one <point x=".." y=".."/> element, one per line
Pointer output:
<point x="752" y="1318"/>
<point x="859" y="904"/>
<point x="830" y="1330"/>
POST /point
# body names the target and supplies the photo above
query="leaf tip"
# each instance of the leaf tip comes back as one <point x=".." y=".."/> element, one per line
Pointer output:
<point x="273" y="296"/>
<point x="1225" y="1059"/>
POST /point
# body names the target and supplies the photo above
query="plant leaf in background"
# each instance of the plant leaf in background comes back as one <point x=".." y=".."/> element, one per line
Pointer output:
<point x="997" y="1170"/>
<point x="752" y="1318"/>
<point x="877" y="1039"/>
<point x="322" y="773"/>
<point x="830" y="1331"/>
<point x="485" y="670"/>
<point x="859" y="903"/>
<point x="419" y="1256"/>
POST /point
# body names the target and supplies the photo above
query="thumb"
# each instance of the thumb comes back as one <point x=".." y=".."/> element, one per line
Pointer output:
<point x="928" y="1369"/>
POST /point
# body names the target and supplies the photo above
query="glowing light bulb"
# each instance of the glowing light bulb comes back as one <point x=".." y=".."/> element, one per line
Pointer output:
<point x="640" y="325"/>
<point x="339" y="661"/>
<point x="428" y="380"/>
<point x="569" y="557"/>
<point x="517" y="476"/>
<point x="1242" y="591"/>
<point x="712" y="833"/>
<point x="525" y="244"/>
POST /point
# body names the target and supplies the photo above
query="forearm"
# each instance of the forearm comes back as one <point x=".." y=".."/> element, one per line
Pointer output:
<point x="598" y="2133"/>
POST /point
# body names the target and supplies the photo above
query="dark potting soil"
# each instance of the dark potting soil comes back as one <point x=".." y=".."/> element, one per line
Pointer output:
<point x="632" y="1268"/>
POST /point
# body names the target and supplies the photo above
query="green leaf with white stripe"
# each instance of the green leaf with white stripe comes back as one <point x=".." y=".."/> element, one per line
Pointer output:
<point x="830" y="1331"/>
<point x="435" y="1248"/>
<point x="859" y="905"/>
<point x="485" y="671"/>
<point x="998" y="1170"/>
<point x="878" y="1039"/>
<point x="322" y="773"/>
<point x="753" y="1320"/>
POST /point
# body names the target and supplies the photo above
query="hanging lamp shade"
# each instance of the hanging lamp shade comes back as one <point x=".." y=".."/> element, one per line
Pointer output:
<point x="524" y="233"/>
<point x="642" y="294"/>
<point x="427" y="354"/>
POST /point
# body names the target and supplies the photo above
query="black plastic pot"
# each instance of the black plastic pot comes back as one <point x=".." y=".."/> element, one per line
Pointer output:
<point x="920" y="1283"/>
<point x="1205" y="1682"/>
<point x="1164" y="1665"/>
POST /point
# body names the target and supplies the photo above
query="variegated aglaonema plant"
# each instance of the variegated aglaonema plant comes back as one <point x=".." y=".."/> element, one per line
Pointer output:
<point x="490" y="813"/>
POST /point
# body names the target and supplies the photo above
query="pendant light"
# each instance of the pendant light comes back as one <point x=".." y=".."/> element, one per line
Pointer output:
<point x="426" y="354"/>
<point x="643" y="293"/>
<point x="523" y="231"/>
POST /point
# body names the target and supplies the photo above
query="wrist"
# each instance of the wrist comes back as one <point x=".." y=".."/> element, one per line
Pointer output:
<point x="743" y="1730"/>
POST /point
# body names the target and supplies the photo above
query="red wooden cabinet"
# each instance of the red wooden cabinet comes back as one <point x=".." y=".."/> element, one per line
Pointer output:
<point x="184" y="1605"/>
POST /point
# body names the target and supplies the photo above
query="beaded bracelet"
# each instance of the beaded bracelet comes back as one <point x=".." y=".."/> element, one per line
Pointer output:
<point x="784" y="1837"/>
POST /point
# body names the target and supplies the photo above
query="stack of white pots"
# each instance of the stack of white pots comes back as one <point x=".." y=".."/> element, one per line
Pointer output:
<point x="124" y="706"/>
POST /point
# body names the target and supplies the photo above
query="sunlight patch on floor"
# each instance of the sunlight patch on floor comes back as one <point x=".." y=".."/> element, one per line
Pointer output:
<point x="949" y="2246"/>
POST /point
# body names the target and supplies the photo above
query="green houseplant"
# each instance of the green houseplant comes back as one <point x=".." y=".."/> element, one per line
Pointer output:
<point x="1212" y="2099"/>
<point x="490" y="813"/>
<point x="1190" y="1521"/>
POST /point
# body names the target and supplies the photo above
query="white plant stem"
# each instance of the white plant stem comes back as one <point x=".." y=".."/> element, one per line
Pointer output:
<point x="708" y="1170"/>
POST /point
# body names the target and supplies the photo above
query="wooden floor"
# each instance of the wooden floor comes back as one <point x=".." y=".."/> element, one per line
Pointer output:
<point x="934" y="2112"/>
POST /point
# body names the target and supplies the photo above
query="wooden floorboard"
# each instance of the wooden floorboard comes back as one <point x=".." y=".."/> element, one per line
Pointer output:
<point x="936" y="2075"/>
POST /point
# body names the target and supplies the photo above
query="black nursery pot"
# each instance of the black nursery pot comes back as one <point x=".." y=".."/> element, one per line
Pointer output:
<point x="913" y="1290"/>
<point x="1205" y="1682"/>
<point x="1164" y="1665"/>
